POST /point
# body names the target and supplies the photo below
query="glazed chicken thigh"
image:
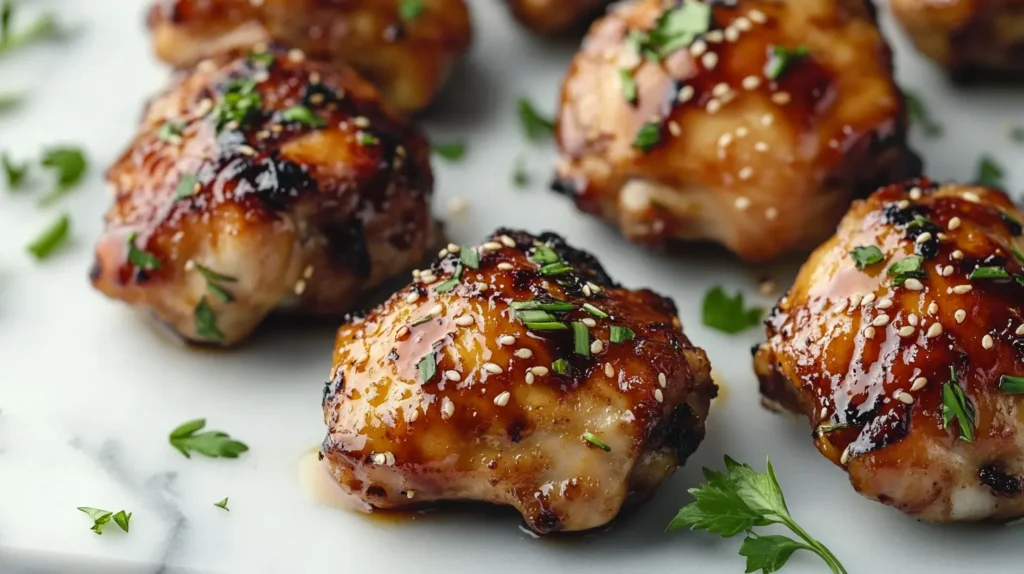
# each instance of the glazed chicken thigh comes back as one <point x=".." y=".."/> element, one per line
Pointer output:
<point x="751" y="124"/>
<point x="259" y="183"/>
<point x="407" y="49"/>
<point x="972" y="39"/>
<point x="554" y="16"/>
<point x="903" y="343"/>
<point x="515" y="373"/>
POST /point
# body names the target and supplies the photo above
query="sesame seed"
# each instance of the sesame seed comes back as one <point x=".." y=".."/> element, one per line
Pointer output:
<point x="589" y="322"/>
<point x="923" y="238"/>
<point x="447" y="408"/>
<point x="413" y="297"/>
<point x="845" y="458"/>
<point x="379" y="458"/>
<point x="884" y="303"/>
<point x="913" y="284"/>
<point x="492" y="368"/>
<point x="507" y="241"/>
<point x="529" y="378"/>
<point x="746" y="173"/>
<point x="757" y="16"/>
<point x="454" y="248"/>
<point x="710" y="60"/>
<point x="933" y="308"/>
<point x="713" y="106"/>
<point x="906" y="331"/>
<point x="596" y="347"/>
<point x="957" y="254"/>
<point x="453" y="376"/>
<point x="903" y="204"/>
<point x="410" y="493"/>
<point x="491" y="246"/>
<point x="465" y="321"/>
<point x="686" y="93"/>
<point x="523" y="353"/>
<point x="539" y="371"/>
<point x="659" y="396"/>
<point x="761" y="147"/>
<point x="987" y="342"/>
<point x="960" y="315"/>
<point x="915" y="193"/>
<point x="971" y="196"/>
<point x="725" y="140"/>
<point x="947" y="270"/>
<point x="855" y="300"/>
<point x="742" y="24"/>
<point x="296" y="55"/>
<point x="767" y="120"/>
<point x="942" y="236"/>
<point x="300" y="286"/>
<point x="402" y="332"/>
<point x="962" y="289"/>
<point x="742" y="131"/>
<point x="428" y="277"/>
<point x="437" y="310"/>
<point x="742" y="203"/>
<point x="954" y="223"/>
<point x="781" y="98"/>
<point x="880" y="320"/>
<point x="912" y="319"/>
<point x="506" y="340"/>
<point x="714" y="36"/>
<point x="586" y="291"/>
<point x="868" y="299"/>
<point x="698" y="48"/>
<point x="361" y="122"/>
<point x="662" y="380"/>
<point x="674" y="129"/>
<point x="593" y="287"/>
<point x="1020" y="329"/>
<point x="824" y="413"/>
<point x="869" y="332"/>
<point x="505" y="266"/>
<point x="934" y="331"/>
<point x="502" y="399"/>
<point x="609" y="371"/>
<point x="840" y="306"/>
<point x="442" y="254"/>
<point x="771" y="213"/>
<point x="731" y="34"/>
<point x="919" y="384"/>
<point x="905" y="398"/>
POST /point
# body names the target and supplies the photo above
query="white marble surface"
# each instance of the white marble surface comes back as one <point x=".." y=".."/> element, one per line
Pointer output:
<point x="89" y="391"/>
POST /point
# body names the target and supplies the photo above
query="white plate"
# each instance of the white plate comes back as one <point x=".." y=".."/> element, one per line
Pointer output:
<point x="89" y="392"/>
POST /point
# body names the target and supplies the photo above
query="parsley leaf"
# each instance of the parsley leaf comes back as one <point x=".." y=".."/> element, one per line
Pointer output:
<point x="14" y="172"/>
<point x="990" y="173"/>
<point x="427" y="367"/>
<point x="43" y="28"/>
<point x="919" y="115"/>
<point x="469" y="257"/>
<point x="619" y="334"/>
<point x="450" y="151"/>
<point x="214" y="444"/>
<point x="121" y="519"/>
<point x="781" y="58"/>
<point x="989" y="272"/>
<point x="866" y="255"/>
<point x="560" y="366"/>
<point x="239" y="103"/>
<point x="410" y="10"/>
<point x="628" y="84"/>
<point x="100" y="518"/>
<point x="170" y="131"/>
<point x="728" y="314"/>
<point x="648" y="136"/>
<point x="223" y="504"/>
<point x="678" y="27"/>
<point x="302" y="115"/>
<point x="956" y="405"/>
<point x="905" y="269"/>
<point x="51" y="239"/>
<point x="741" y="499"/>
<point x="206" y="322"/>
<point x="142" y="259"/>
<point x="187" y="187"/>
<point x="70" y="166"/>
<point x="535" y="126"/>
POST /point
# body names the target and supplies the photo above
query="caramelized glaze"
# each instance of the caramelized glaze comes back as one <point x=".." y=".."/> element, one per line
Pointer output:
<point x="866" y="359"/>
<point x="555" y="16"/>
<point x="496" y="422"/>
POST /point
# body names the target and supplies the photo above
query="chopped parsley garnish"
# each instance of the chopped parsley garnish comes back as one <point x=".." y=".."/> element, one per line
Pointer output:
<point x="410" y="10"/>
<point x="427" y="367"/>
<point x="866" y="255"/>
<point x="43" y="28"/>
<point x="264" y="58"/>
<point x="628" y="84"/>
<point x="302" y="115"/>
<point x="592" y="439"/>
<point x="780" y="58"/>
<point x="223" y="504"/>
<point x="535" y="126"/>
<point x="520" y="175"/>
<point x="214" y="280"/>
<point x="187" y="187"/>
<point x="9" y="101"/>
<point x="920" y="222"/>
<point x="647" y="137"/>
<point x="956" y="405"/>
<point x="919" y="115"/>
<point x="367" y="139"/>
<point x="619" y="334"/>
<point x="51" y="239"/>
<point x="469" y="257"/>
<point x="450" y="283"/>
<point x="421" y="320"/>
<point x="595" y="311"/>
<point x="905" y="269"/>
<point x="678" y="27"/>
<point x="15" y="173"/>
<point x="214" y="444"/>
<point x="100" y="518"/>
<point x="450" y="151"/>
<point x="140" y="258"/>
<point x="70" y="166"/>
<point x="560" y="366"/>
<point x="206" y="322"/>
<point x="990" y="173"/>
<point x="170" y="131"/>
<point x="544" y="254"/>
<point x="240" y="102"/>
<point x="1011" y="385"/>
<point x="991" y="272"/>
<point x="581" y="339"/>
<point x="728" y="314"/>
<point x="741" y="499"/>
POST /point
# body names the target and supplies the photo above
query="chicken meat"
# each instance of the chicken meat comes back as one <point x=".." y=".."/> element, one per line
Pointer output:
<point x="515" y="373"/>
<point x="259" y="183"/>
<point x="406" y="48"/>
<point x="752" y="124"/>
<point x="902" y="341"/>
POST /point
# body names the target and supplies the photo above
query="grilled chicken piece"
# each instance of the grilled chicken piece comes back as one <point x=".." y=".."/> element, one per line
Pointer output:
<point x="261" y="183"/>
<point x="714" y="147"/>
<point x="972" y="39"/>
<point x="515" y="373"/>
<point x="407" y="49"/>
<point x="900" y="366"/>
<point x="555" y="16"/>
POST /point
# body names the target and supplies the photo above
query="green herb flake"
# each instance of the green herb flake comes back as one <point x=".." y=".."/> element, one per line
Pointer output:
<point x="956" y="405"/>
<point x="990" y="173"/>
<point x="556" y="306"/>
<point x="560" y="367"/>
<point x="830" y="427"/>
<point x="628" y="85"/>
<point x="213" y="283"/>
<point x="214" y="444"/>
<point x="170" y="131"/>
<point x="70" y="165"/>
<point x="535" y="126"/>
<point x="919" y="115"/>
<point x="595" y="311"/>
<point x="1011" y="385"/>
<point x="992" y="272"/>
<point x="581" y="339"/>
<point x="1017" y="134"/>
<point x="619" y="334"/>
<point x="544" y="254"/>
<point x="240" y="102"/>
<point x="647" y="137"/>
<point x="678" y="27"/>
<point x="100" y="518"/>
<point x="450" y="151"/>
<point x="728" y="314"/>
<point x="520" y="174"/>
<point x="121" y="519"/>
<point x="223" y="504"/>
<point x="15" y="173"/>
<point x="421" y="320"/>
<point x="302" y="115"/>
<point x="780" y="58"/>
<point x="367" y="139"/>
<point x="187" y="187"/>
<point x="866" y="255"/>
<point x="469" y="257"/>
<point x="9" y="101"/>
<point x="906" y="268"/>
<point x="427" y="367"/>
<point x="592" y="439"/>
<point x="552" y="269"/>
<point x="140" y="258"/>
<point x="50" y="240"/>
<point x="451" y="282"/>
<point x="42" y="29"/>
<point x="206" y="322"/>
<point x="410" y="10"/>
<point x="263" y="58"/>
<point x="741" y="499"/>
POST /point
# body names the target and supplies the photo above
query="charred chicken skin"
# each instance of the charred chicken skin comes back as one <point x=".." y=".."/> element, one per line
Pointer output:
<point x="555" y="16"/>
<point x="260" y="183"/>
<point x="972" y="39"/>
<point x="407" y="49"/>
<point x="515" y="373"/>
<point x="902" y="342"/>
<point x="751" y="124"/>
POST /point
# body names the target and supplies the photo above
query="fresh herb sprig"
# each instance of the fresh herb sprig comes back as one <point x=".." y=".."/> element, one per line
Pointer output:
<point x="70" y="165"/>
<point x="215" y="444"/>
<point x="535" y="126"/>
<point x="866" y="255"/>
<point x="729" y="314"/>
<point x="957" y="405"/>
<point x="453" y="151"/>
<point x="990" y="173"/>
<point x="51" y="239"/>
<point x="740" y="500"/>
<point x="43" y="28"/>
<point x="919" y="115"/>
<point x="100" y="518"/>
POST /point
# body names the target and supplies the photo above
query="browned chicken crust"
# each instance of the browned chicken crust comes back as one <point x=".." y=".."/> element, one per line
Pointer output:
<point x="555" y="16"/>
<point x="712" y="147"/>
<point x="263" y="182"/>
<point x="406" y="49"/>
<point x="878" y="357"/>
<point x="452" y="389"/>
<point x="972" y="39"/>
